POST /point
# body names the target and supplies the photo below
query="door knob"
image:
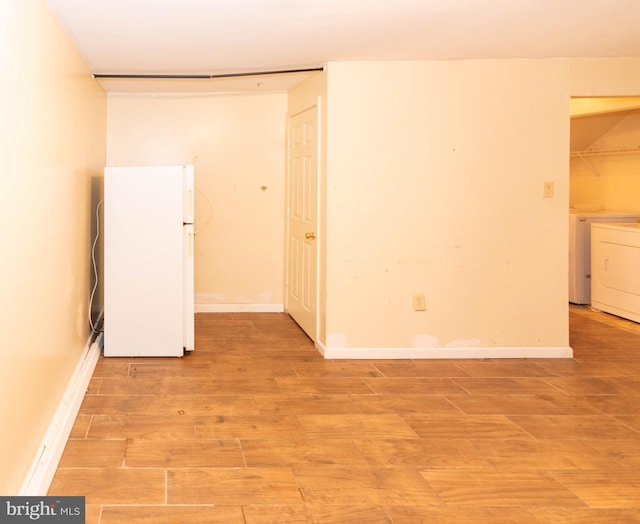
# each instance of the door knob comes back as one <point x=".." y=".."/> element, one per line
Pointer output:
<point x="310" y="236"/>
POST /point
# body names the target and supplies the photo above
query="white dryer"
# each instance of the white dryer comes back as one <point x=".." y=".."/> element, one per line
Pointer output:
<point x="615" y="263"/>
<point x="580" y="249"/>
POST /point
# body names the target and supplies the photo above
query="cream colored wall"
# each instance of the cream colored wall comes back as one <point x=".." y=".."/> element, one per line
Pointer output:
<point x="52" y="136"/>
<point x="604" y="76"/>
<point x="237" y="144"/>
<point x="435" y="173"/>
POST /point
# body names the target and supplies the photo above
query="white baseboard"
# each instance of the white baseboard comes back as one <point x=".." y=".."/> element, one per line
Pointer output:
<point x="239" y="308"/>
<point x="44" y="466"/>
<point x="445" y="352"/>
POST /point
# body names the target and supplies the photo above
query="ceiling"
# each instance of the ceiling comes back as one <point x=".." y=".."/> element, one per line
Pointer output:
<point x="218" y="37"/>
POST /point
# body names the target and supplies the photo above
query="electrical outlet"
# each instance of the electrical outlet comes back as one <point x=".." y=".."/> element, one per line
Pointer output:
<point x="547" y="189"/>
<point x="419" y="303"/>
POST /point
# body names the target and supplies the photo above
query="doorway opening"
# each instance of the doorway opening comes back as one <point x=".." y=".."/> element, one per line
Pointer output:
<point x="604" y="183"/>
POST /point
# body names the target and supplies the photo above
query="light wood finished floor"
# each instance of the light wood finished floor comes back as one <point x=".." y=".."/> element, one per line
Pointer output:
<point x="256" y="427"/>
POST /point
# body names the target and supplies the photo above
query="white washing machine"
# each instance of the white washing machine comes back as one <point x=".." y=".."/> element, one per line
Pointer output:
<point x="580" y="249"/>
<point x="615" y="263"/>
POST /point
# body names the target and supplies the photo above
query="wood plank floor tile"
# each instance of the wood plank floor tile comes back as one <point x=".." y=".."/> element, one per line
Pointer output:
<point x="94" y="386"/>
<point x="505" y="386"/>
<point x="466" y="426"/>
<point x="190" y="369"/>
<point x="503" y="368"/>
<point x="223" y="322"/>
<point x="603" y="489"/>
<point x="603" y="385"/>
<point x="82" y="453"/>
<point x="189" y="405"/>
<point x="337" y="368"/>
<point x="80" y="426"/>
<point x="421" y="452"/>
<point x="401" y="403"/>
<point x="349" y="426"/>
<point x="183" y="454"/>
<point x="157" y="427"/>
<point x="616" y="404"/>
<point x="232" y="486"/>
<point x="585" y="516"/>
<point x="633" y="421"/>
<point x="226" y="357"/>
<point x="503" y="404"/>
<point x="316" y="514"/>
<point x="248" y="370"/>
<point x="414" y="386"/>
<point x="411" y="368"/>
<point x="499" y="488"/>
<point x="573" y="404"/>
<point x="111" y="486"/>
<point x="193" y="386"/>
<point x="319" y="452"/>
<point x="573" y="427"/>
<point x="175" y="367"/>
<point x="172" y="515"/>
<point x="546" y="454"/>
<point x="111" y="368"/>
<point x="594" y="368"/>
<point x="621" y="454"/>
<point x="324" y="385"/>
<point x="364" y="486"/>
<point x="247" y="427"/>
<point x="92" y="514"/>
<point x="306" y="404"/>
<point x="266" y="342"/>
<point x="456" y="515"/>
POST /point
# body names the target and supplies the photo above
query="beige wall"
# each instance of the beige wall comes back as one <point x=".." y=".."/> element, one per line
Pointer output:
<point x="604" y="76"/>
<point x="433" y="184"/>
<point x="435" y="173"/>
<point x="237" y="142"/>
<point x="52" y="136"/>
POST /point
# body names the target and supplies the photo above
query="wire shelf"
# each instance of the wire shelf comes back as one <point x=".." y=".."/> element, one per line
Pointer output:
<point x="602" y="152"/>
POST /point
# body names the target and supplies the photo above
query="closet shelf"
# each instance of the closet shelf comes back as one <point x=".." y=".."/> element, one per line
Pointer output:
<point x="602" y="152"/>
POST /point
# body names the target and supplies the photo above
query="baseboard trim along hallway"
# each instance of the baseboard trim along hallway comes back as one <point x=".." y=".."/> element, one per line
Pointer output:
<point x="45" y="463"/>
<point x="239" y="308"/>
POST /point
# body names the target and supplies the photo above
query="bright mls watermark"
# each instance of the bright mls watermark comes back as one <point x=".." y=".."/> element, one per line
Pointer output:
<point x="44" y="510"/>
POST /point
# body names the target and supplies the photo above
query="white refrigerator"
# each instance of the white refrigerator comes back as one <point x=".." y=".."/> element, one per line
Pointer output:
<point x="148" y="261"/>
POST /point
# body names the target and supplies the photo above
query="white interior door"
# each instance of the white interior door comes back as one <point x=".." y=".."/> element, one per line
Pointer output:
<point x="302" y="221"/>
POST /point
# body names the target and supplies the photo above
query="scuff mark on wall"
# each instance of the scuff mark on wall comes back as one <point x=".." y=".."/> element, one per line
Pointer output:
<point x="425" y="341"/>
<point x="336" y="340"/>
<point x="209" y="298"/>
<point x="265" y="297"/>
<point x="463" y="343"/>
